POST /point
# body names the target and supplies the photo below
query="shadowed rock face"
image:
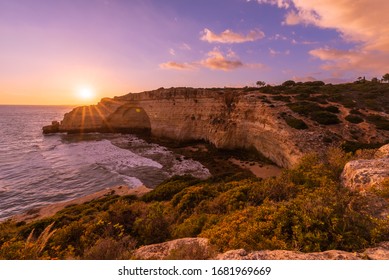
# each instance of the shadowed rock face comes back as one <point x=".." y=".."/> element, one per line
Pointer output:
<point x="129" y="118"/>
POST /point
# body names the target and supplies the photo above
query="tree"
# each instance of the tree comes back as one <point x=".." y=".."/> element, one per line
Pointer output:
<point x="385" y="77"/>
<point x="261" y="83"/>
<point x="375" y="80"/>
<point x="289" y="83"/>
<point x="361" y="80"/>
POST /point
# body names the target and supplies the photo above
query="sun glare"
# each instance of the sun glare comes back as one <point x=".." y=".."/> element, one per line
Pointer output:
<point x="86" y="93"/>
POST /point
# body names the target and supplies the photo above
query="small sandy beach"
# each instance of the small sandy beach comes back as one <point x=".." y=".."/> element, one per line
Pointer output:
<point x="260" y="170"/>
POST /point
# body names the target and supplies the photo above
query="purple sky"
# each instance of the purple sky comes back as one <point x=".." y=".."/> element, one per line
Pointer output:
<point x="50" y="50"/>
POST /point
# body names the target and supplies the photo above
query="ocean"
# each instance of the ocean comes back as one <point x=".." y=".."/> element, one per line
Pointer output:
<point x="37" y="169"/>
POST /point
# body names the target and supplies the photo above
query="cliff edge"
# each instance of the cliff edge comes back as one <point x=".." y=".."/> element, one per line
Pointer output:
<point x="227" y="118"/>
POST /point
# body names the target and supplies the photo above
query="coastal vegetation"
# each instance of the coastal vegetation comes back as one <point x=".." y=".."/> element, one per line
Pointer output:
<point x="305" y="208"/>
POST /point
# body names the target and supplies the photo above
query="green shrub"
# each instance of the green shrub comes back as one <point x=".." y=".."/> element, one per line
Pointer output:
<point x="379" y="121"/>
<point x="192" y="226"/>
<point x="152" y="224"/>
<point x="304" y="108"/>
<point x="322" y="219"/>
<point x="295" y="123"/>
<point x="354" y="119"/>
<point x="281" y="98"/>
<point x="323" y="117"/>
<point x="332" y="109"/>
<point x="167" y="189"/>
<point x="383" y="189"/>
<point x="353" y="146"/>
<point x="110" y="249"/>
<point x="289" y="83"/>
<point x="355" y="112"/>
<point x="314" y="83"/>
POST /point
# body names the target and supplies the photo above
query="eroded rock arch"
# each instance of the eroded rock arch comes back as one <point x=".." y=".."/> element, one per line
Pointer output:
<point x="130" y="119"/>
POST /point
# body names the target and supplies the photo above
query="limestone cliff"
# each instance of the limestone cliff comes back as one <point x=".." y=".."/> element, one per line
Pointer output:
<point x="227" y="118"/>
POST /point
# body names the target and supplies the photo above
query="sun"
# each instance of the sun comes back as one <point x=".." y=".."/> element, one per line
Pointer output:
<point x="86" y="93"/>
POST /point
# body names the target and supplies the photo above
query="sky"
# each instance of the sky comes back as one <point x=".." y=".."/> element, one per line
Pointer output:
<point x="78" y="51"/>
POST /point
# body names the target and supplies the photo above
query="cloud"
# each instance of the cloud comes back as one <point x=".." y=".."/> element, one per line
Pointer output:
<point x="230" y="37"/>
<point x="339" y="61"/>
<point x="295" y="42"/>
<point x="301" y="17"/>
<point x="360" y="22"/>
<point x="279" y="3"/>
<point x="176" y="66"/>
<point x="357" y="21"/>
<point x="185" y="46"/>
<point x="278" y="37"/>
<point x="172" y="51"/>
<point x="217" y="61"/>
<point x="273" y="52"/>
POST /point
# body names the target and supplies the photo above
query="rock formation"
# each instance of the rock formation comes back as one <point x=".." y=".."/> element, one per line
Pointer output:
<point x="168" y="250"/>
<point x="227" y="118"/>
<point x="364" y="174"/>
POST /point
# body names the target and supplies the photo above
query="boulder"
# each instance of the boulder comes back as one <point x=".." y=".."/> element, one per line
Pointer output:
<point x="184" y="248"/>
<point x="364" y="174"/>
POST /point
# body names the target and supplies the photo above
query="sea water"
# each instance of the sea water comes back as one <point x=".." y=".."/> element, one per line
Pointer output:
<point x="37" y="169"/>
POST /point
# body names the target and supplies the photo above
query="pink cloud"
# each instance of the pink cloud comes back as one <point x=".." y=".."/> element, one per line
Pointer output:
<point x="176" y="66"/>
<point x="215" y="60"/>
<point x="361" y="22"/>
<point x="218" y="61"/>
<point x="279" y="3"/>
<point x="339" y="61"/>
<point x="230" y="37"/>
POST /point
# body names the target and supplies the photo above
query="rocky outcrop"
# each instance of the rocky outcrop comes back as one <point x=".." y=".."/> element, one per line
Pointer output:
<point x="381" y="252"/>
<point x="365" y="174"/>
<point x="183" y="249"/>
<point x="53" y="128"/>
<point x="227" y="118"/>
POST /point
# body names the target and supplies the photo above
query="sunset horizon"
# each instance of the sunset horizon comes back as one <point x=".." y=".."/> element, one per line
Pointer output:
<point x="233" y="132"/>
<point x="52" y="49"/>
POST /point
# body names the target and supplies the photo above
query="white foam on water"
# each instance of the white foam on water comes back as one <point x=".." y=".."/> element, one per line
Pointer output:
<point x="101" y="152"/>
<point x="173" y="163"/>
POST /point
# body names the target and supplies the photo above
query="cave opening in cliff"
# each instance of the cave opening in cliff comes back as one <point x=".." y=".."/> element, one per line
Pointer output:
<point x="130" y="119"/>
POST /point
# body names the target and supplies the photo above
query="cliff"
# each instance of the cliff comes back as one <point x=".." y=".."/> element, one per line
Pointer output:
<point x="227" y="118"/>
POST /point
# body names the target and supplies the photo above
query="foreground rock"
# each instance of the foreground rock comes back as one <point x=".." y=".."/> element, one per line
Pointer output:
<point x="186" y="248"/>
<point x="365" y="174"/>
